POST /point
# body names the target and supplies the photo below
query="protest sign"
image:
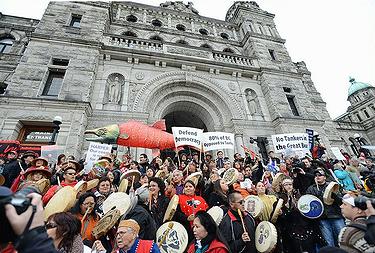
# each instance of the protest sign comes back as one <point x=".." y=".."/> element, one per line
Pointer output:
<point x="95" y="151"/>
<point x="310" y="132"/>
<point x="290" y="142"/>
<point x="187" y="136"/>
<point x="51" y="152"/>
<point x="217" y="141"/>
<point x="336" y="152"/>
<point x="8" y="145"/>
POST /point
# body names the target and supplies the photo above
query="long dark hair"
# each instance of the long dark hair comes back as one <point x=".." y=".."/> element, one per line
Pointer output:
<point x="160" y="184"/>
<point x="68" y="227"/>
<point x="210" y="226"/>
<point x="218" y="190"/>
<point x="76" y="209"/>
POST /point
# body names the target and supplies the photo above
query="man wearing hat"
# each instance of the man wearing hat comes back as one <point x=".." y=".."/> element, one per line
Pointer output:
<point x="220" y="159"/>
<point x="27" y="158"/>
<point x="70" y="169"/>
<point x="331" y="221"/>
<point x="351" y="237"/>
<point x="127" y="239"/>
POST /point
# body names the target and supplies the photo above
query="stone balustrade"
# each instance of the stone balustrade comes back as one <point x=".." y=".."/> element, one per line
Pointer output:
<point x="171" y="48"/>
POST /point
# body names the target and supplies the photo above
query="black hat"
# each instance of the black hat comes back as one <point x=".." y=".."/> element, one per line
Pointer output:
<point x="29" y="153"/>
<point x="320" y="171"/>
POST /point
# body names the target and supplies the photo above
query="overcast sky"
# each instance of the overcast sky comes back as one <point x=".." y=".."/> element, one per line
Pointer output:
<point x="336" y="38"/>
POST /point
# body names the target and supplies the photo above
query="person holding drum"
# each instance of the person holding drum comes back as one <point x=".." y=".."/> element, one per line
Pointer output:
<point x="33" y="175"/>
<point x="84" y="210"/>
<point x="103" y="190"/>
<point x="177" y="184"/>
<point x="208" y="238"/>
<point x="298" y="233"/>
<point x="70" y="170"/>
<point x="158" y="201"/>
<point x="268" y="201"/>
<point x="331" y="222"/>
<point x="238" y="226"/>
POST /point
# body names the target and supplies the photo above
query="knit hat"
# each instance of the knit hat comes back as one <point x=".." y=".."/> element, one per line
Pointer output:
<point x="130" y="224"/>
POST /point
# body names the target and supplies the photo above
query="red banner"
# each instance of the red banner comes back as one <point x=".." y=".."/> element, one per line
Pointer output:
<point x="8" y="145"/>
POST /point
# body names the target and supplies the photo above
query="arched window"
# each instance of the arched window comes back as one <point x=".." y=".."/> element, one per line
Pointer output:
<point x="181" y="27"/>
<point x="206" y="46"/>
<point x="155" y="37"/>
<point x="156" y="23"/>
<point x="366" y="113"/>
<point x="224" y="36"/>
<point x="203" y="31"/>
<point x="182" y="42"/>
<point x="6" y="44"/>
<point x="131" y="18"/>
<point x="228" y="50"/>
<point x="359" y="118"/>
<point x="129" y="34"/>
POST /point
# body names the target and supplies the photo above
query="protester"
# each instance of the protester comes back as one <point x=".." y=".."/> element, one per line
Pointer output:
<point x="232" y="228"/>
<point x="207" y="236"/>
<point x="158" y="202"/>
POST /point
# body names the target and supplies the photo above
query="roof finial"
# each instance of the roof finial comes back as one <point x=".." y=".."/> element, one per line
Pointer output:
<point x="351" y="79"/>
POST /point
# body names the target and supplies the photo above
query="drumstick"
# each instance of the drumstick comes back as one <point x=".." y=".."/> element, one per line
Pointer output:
<point x="133" y="182"/>
<point x="316" y="182"/>
<point x="243" y="224"/>
<point x="58" y="180"/>
<point x="84" y="216"/>
<point x="170" y="226"/>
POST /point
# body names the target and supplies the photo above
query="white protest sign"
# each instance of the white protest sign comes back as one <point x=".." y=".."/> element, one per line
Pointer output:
<point x="187" y="136"/>
<point x="217" y="141"/>
<point x="290" y="142"/>
<point x="95" y="151"/>
<point x="336" y="152"/>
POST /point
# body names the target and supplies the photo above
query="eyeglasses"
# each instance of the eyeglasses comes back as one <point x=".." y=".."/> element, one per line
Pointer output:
<point x="50" y="225"/>
<point x="319" y="175"/>
<point x="71" y="174"/>
<point x="290" y="184"/>
<point x="121" y="233"/>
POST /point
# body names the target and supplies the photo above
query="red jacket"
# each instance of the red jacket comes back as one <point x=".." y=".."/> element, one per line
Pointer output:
<point x="49" y="194"/>
<point x="215" y="247"/>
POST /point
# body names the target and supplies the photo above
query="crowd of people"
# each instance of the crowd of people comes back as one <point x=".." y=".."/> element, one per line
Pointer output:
<point x="345" y="225"/>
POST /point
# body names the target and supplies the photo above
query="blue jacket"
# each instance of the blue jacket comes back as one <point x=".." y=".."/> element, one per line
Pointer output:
<point x="345" y="180"/>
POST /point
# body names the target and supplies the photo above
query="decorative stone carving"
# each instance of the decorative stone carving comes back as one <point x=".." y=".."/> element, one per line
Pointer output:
<point x="188" y="52"/>
<point x="232" y="86"/>
<point x="252" y="102"/>
<point x="115" y="81"/>
<point x="140" y="75"/>
<point x="179" y="6"/>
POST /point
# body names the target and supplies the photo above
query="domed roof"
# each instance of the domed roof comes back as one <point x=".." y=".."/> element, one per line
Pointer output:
<point x="356" y="86"/>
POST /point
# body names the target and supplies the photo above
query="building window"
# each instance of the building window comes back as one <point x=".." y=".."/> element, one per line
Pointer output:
<point x="129" y="34"/>
<point x="3" y="87"/>
<point x="156" y="38"/>
<point x="359" y="118"/>
<point x="366" y="113"/>
<point x="203" y="31"/>
<point x="270" y="30"/>
<point x="60" y="62"/>
<point x="373" y="108"/>
<point x="156" y="23"/>
<point x="131" y="18"/>
<point x="287" y="89"/>
<point x="182" y="42"/>
<point x="206" y="46"/>
<point x="224" y="36"/>
<point x="228" y="50"/>
<point x="75" y="21"/>
<point x="260" y="29"/>
<point x="181" y="27"/>
<point x="6" y="45"/>
<point x="54" y="82"/>
<point x="272" y="54"/>
<point x="292" y="105"/>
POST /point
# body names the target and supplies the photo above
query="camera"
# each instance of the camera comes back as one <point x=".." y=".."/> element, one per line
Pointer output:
<point x="20" y="201"/>
<point x="360" y="202"/>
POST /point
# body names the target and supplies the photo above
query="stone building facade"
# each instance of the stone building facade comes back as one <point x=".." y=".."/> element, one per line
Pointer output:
<point x="99" y="63"/>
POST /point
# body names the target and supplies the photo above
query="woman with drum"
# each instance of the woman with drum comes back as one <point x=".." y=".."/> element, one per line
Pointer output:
<point x="158" y="201"/>
<point x="176" y="185"/>
<point x="84" y="210"/>
<point x="208" y="238"/>
<point x="219" y="195"/>
<point x="298" y="233"/>
<point x="268" y="201"/>
<point x="102" y="192"/>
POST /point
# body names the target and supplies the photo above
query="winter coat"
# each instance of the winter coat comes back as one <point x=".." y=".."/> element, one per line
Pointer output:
<point x="215" y="247"/>
<point x="143" y="217"/>
<point x="11" y="171"/>
<point x="345" y="179"/>
<point x="232" y="230"/>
